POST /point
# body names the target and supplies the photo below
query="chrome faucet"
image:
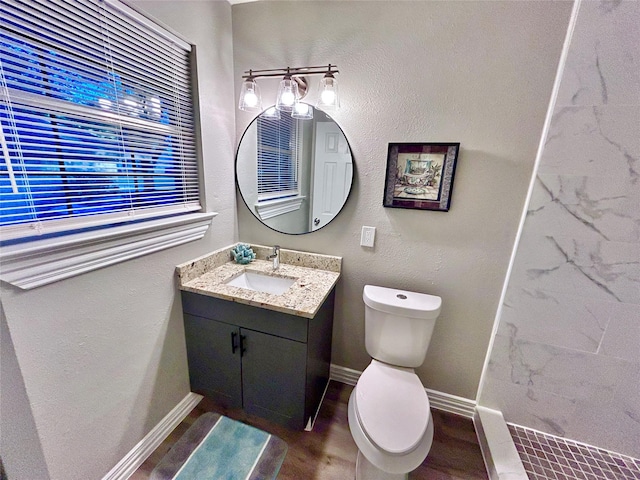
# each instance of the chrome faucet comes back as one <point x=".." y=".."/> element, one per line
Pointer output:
<point x="275" y="256"/>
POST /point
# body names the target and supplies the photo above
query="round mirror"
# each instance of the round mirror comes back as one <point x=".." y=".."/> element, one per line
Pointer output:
<point x="294" y="174"/>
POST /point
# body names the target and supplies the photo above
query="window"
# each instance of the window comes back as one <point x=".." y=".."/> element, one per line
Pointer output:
<point x="278" y="147"/>
<point x="96" y="118"/>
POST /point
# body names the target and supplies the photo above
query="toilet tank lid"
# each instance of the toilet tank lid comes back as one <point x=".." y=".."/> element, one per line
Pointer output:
<point x="402" y="302"/>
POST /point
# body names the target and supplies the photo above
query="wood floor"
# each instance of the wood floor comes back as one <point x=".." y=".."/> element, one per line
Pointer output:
<point x="329" y="453"/>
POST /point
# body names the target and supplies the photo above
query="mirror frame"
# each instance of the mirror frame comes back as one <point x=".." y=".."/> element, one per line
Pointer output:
<point x="254" y="213"/>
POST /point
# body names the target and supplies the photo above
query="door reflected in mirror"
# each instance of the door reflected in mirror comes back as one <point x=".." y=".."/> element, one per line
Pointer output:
<point x="294" y="175"/>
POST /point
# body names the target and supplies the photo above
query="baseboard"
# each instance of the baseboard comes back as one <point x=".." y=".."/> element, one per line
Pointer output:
<point x="145" y="447"/>
<point x="344" y="374"/>
<point x="496" y="444"/>
<point x="438" y="400"/>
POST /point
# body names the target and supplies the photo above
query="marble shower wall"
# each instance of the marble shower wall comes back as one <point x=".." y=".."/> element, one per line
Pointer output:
<point x="566" y="357"/>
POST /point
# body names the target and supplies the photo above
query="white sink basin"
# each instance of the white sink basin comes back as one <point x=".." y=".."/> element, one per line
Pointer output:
<point x="262" y="283"/>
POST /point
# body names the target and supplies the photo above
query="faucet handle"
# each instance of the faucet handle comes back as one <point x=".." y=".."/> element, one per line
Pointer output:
<point x="275" y="253"/>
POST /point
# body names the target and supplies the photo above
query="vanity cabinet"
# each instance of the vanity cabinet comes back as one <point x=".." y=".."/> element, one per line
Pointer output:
<point x="274" y="365"/>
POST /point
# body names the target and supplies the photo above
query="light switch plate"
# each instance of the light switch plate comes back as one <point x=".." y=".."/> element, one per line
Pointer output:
<point x="368" y="236"/>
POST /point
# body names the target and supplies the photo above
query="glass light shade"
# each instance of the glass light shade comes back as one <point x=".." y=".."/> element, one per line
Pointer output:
<point x="250" y="99"/>
<point x="302" y="111"/>
<point x="328" y="99"/>
<point x="287" y="95"/>
<point x="271" y="112"/>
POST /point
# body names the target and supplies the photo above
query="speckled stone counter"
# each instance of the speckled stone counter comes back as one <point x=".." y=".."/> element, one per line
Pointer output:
<point x="315" y="276"/>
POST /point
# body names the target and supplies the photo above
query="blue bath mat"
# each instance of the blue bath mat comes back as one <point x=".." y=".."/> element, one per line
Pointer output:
<point x="218" y="448"/>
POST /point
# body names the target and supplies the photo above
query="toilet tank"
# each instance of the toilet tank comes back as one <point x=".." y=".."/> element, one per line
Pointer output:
<point x="398" y="324"/>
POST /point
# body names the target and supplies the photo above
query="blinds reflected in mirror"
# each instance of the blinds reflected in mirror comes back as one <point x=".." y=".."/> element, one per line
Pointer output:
<point x="277" y="157"/>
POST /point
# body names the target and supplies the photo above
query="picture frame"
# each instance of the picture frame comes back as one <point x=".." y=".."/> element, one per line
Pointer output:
<point x="420" y="175"/>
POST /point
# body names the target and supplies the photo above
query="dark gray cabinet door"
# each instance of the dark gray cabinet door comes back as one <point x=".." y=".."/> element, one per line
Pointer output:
<point x="214" y="359"/>
<point x="273" y="378"/>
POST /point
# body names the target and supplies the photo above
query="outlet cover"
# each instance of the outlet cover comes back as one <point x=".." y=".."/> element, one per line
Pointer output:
<point x="368" y="236"/>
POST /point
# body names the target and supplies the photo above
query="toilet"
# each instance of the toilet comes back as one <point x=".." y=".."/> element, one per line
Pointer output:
<point x="389" y="413"/>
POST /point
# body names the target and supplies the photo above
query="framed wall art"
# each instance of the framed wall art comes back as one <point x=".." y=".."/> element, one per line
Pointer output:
<point x="420" y="175"/>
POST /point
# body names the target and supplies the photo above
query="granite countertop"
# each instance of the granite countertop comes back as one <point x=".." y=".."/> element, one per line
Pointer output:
<point x="315" y="276"/>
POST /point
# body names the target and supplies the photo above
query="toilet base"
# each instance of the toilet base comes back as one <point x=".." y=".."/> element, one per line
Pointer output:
<point x="365" y="470"/>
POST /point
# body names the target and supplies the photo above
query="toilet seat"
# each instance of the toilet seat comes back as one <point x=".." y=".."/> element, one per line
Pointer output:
<point x="392" y="406"/>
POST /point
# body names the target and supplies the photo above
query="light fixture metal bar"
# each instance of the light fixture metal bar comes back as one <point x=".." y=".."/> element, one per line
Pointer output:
<point x="291" y="71"/>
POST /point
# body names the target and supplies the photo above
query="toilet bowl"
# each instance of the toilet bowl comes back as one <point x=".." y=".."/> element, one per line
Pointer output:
<point x="389" y="412"/>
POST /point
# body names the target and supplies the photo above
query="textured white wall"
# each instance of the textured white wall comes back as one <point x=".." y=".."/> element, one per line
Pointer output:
<point x="566" y="358"/>
<point x="478" y="73"/>
<point x="92" y="363"/>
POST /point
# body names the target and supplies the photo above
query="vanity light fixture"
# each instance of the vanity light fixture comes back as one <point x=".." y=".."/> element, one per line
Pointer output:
<point x="250" y="99"/>
<point x="293" y="88"/>
<point x="288" y="94"/>
<point x="329" y="99"/>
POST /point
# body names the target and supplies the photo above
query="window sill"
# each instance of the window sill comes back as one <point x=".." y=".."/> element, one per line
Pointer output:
<point x="273" y="208"/>
<point x="41" y="262"/>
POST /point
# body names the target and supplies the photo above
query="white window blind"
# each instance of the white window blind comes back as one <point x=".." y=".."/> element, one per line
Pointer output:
<point x="278" y="147"/>
<point x="96" y="117"/>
